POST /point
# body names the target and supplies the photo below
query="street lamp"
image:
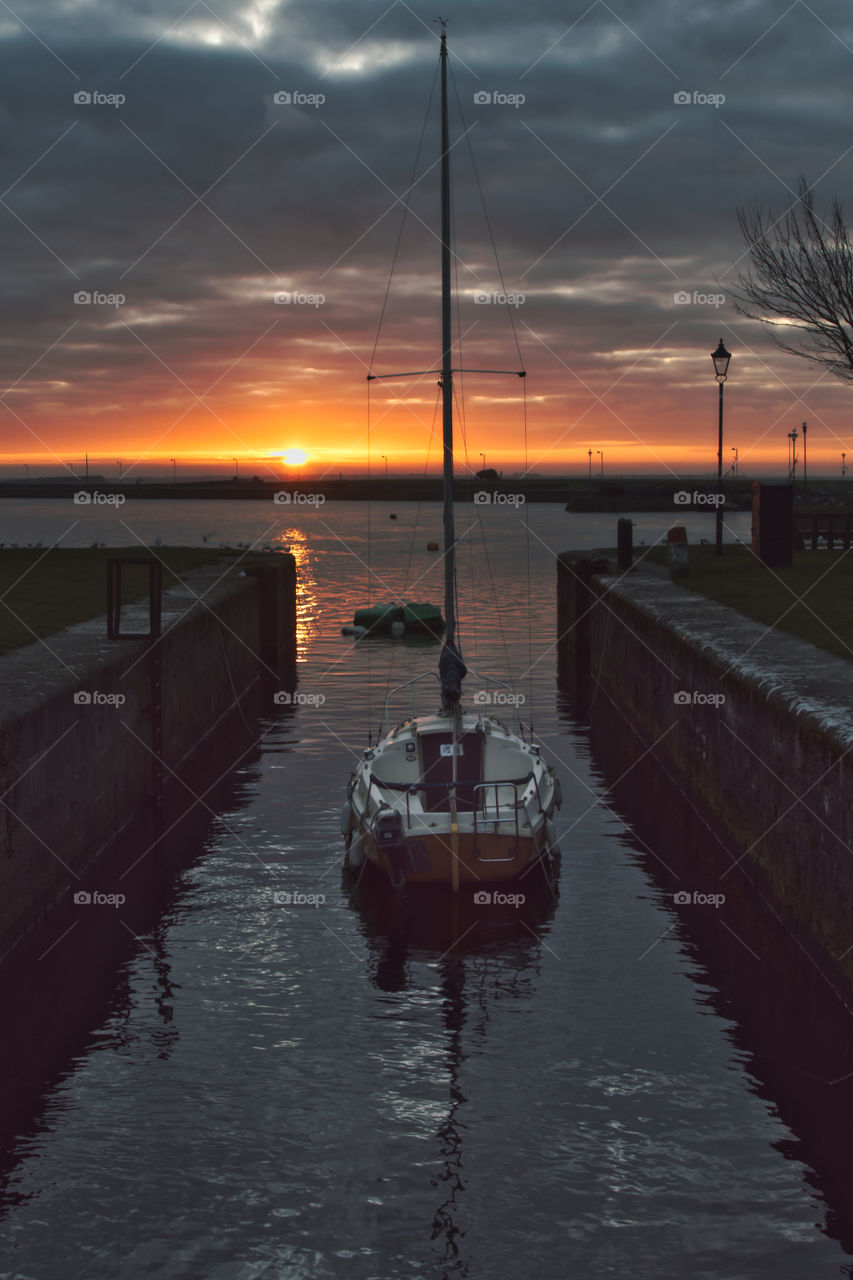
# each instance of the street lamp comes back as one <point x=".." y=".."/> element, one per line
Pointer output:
<point x="602" y="460"/>
<point x="734" y="461"/>
<point x="236" y="469"/>
<point x="385" y="460"/>
<point x="721" y="359"/>
<point x="174" y="471"/>
<point x="483" y="456"/>
<point x="792" y="472"/>
<point x="590" y="463"/>
<point x="844" y="464"/>
<point x="805" y="472"/>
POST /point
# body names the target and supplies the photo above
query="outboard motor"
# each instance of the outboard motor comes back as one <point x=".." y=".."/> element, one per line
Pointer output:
<point x="388" y="829"/>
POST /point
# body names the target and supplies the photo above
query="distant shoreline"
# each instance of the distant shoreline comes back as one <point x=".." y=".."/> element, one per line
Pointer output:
<point x="598" y="494"/>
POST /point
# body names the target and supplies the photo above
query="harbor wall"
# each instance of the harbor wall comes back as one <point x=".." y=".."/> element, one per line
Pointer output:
<point x="106" y="745"/>
<point x="755" y="728"/>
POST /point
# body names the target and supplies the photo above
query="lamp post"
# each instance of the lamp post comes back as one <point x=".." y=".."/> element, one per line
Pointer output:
<point x="792" y="436"/>
<point x="236" y="469"/>
<point x="844" y="464"/>
<point x="174" y="471"/>
<point x="590" y="463"/>
<point x="805" y="473"/>
<point x="483" y="456"/>
<point x="385" y="460"/>
<point x="601" y="452"/>
<point x="721" y="359"/>
<point x="734" y="462"/>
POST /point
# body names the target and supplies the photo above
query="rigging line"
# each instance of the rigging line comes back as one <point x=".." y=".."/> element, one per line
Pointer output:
<point x="403" y="217"/>
<point x="467" y="136"/>
<point x="527" y="557"/>
<point x="420" y="503"/>
<point x="369" y="579"/>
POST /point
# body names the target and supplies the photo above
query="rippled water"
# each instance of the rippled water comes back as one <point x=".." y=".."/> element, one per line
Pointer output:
<point x="346" y="1089"/>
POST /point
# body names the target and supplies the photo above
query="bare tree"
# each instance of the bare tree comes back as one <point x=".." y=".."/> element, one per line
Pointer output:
<point x="801" y="280"/>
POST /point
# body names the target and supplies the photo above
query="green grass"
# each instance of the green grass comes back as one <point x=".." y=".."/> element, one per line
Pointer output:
<point x="42" y="592"/>
<point x="813" y="599"/>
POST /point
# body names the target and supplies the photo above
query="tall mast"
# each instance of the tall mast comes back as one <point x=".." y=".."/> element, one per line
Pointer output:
<point x="446" y="371"/>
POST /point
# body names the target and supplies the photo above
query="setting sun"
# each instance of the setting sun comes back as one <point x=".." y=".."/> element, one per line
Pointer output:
<point x="295" y="457"/>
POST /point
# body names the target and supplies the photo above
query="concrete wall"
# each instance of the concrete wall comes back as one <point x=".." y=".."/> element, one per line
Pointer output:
<point x="762" y="747"/>
<point x="91" y="787"/>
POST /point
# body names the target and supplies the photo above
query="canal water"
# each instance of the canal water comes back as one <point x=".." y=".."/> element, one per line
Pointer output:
<point x="285" y="1078"/>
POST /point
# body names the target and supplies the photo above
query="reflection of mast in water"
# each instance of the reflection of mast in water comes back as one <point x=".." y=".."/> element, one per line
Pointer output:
<point x="465" y="941"/>
<point x="453" y="987"/>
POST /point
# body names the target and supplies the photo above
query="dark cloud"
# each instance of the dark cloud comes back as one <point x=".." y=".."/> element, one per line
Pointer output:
<point x="607" y="196"/>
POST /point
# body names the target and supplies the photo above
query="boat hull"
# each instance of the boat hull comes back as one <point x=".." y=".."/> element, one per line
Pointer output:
<point x="481" y="859"/>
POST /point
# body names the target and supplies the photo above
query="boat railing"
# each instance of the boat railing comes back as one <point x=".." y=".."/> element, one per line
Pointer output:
<point x="504" y="697"/>
<point x="495" y="694"/>
<point x="511" y="784"/>
<point x="425" y="675"/>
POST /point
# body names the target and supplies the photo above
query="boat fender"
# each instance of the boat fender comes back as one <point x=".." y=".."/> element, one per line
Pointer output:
<point x="398" y="628"/>
<point x="346" y="818"/>
<point x="353" y="631"/>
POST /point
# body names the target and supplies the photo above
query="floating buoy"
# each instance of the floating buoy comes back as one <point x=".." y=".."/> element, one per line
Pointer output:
<point x="398" y="628"/>
<point x="353" y="631"/>
<point x="432" y="546"/>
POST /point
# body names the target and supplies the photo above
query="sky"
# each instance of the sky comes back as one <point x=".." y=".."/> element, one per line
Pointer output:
<point x="183" y="165"/>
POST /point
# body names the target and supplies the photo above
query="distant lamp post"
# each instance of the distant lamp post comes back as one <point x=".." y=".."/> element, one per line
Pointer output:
<point x="385" y="460"/>
<point x="601" y="452"/>
<point x="805" y="472"/>
<point x="174" y="471"/>
<point x="792" y="456"/>
<point x="721" y="359"/>
<point x="844" y="464"/>
<point x="590" y="463"/>
<point x="734" y="462"/>
<point x="118" y="464"/>
<point x="483" y="456"/>
<point x="236" y="469"/>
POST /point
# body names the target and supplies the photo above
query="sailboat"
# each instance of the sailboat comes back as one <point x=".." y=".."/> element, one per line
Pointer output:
<point x="455" y="797"/>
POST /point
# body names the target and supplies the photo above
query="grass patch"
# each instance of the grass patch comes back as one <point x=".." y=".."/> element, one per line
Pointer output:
<point x="42" y="592"/>
<point x="813" y="599"/>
